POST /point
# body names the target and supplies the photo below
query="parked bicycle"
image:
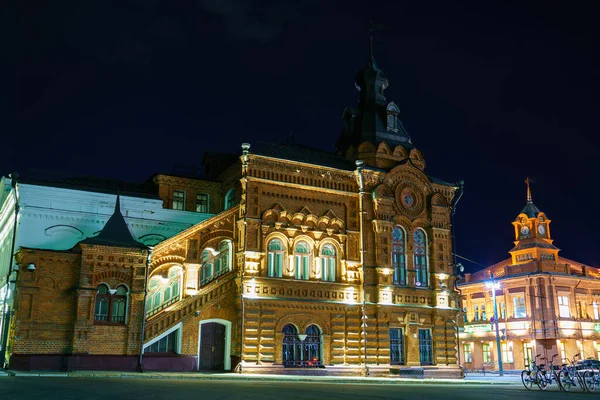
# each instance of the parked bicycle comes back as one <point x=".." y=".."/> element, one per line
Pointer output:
<point x="549" y="375"/>
<point x="570" y="376"/>
<point x="591" y="377"/>
<point x="529" y="376"/>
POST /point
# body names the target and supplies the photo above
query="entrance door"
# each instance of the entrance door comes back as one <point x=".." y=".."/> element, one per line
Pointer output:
<point x="212" y="347"/>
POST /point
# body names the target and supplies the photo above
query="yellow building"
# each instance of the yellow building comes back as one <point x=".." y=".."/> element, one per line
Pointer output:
<point x="546" y="304"/>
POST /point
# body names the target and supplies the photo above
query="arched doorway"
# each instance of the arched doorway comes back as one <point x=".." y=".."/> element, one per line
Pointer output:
<point x="214" y="345"/>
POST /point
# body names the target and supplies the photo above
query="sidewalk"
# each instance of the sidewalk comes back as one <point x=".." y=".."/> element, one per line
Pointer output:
<point x="472" y="379"/>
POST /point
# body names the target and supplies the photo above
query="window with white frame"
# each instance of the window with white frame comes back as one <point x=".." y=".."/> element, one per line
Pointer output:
<point x="163" y="292"/>
<point x="275" y="256"/>
<point x="563" y="306"/>
<point x="563" y="352"/>
<point x="507" y="354"/>
<point x="230" y="199"/>
<point x="179" y="200"/>
<point x="468" y="353"/>
<point x="483" y="313"/>
<point x="110" y="305"/>
<point x="502" y="310"/>
<point x="487" y="354"/>
<point x="202" y="202"/>
<point x="328" y="263"/>
<point x="476" y="313"/>
<point x="215" y="262"/>
<point x="519" y="306"/>
<point x="302" y="260"/>
<point x="596" y="310"/>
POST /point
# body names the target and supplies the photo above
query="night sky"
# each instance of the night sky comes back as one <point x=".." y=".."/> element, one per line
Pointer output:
<point x="490" y="92"/>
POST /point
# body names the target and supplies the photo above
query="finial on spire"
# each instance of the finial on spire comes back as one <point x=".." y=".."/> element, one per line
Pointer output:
<point x="528" y="181"/>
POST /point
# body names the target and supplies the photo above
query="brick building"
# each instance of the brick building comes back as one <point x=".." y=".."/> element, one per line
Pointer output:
<point x="334" y="263"/>
<point x="546" y="304"/>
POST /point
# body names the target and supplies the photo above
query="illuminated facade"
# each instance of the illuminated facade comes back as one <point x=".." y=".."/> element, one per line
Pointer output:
<point x="317" y="261"/>
<point x="547" y="304"/>
<point x="337" y="263"/>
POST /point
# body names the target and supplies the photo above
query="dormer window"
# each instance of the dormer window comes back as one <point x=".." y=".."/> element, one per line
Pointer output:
<point x="392" y="117"/>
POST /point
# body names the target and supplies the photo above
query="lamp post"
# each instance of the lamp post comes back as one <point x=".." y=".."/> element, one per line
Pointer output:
<point x="495" y="285"/>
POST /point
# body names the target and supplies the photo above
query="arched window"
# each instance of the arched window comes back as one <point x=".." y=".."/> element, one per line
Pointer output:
<point x="420" y="245"/>
<point x="111" y="305"/>
<point x="215" y="263"/>
<point x="275" y="256"/>
<point x="399" y="256"/>
<point x="291" y="348"/>
<point x="162" y="292"/>
<point x="302" y="260"/>
<point x="328" y="263"/>
<point x="312" y="346"/>
<point x="102" y="302"/>
<point x="392" y="118"/>
<point x="230" y="199"/>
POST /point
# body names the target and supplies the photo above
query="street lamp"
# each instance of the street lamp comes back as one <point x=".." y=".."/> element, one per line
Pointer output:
<point x="496" y="285"/>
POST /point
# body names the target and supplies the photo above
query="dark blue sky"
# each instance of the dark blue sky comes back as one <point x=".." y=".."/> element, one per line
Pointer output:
<point x="490" y="92"/>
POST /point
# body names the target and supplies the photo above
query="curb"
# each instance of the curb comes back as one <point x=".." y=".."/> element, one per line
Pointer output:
<point x="258" y="378"/>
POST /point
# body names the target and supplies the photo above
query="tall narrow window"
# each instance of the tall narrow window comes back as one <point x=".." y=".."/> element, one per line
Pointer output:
<point x="476" y="313"/>
<point x="302" y="260"/>
<point x="206" y="270"/>
<point x="519" y="306"/>
<point x="215" y="263"/>
<point x="312" y="347"/>
<point x="420" y="245"/>
<point x="392" y="117"/>
<point x="468" y="353"/>
<point x="483" y="313"/>
<point x="275" y="256"/>
<point x="487" y="354"/>
<point x="102" y="302"/>
<point x="425" y="347"/>
<point x="328" y="263"/>
<point x="118" y="303"/>
<point x="399" y="256"/>
<point x="292" y="346"/>
<point x="396" y="346"/>
<point x="179" y="200"/>
<point x="202" y="202"/>
<point x="598" y="351"/>
<point x="563" y="352"/>
<point x="596" y="310"/>
<point x="502" y="310"/>
<point x="507" y="354"/>
<point x="563" y="307"/>
<point x="230" y="199"/>
<point x="527" y="354"/>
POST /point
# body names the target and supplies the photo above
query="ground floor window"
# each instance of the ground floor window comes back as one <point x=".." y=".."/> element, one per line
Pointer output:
<point x="425" y="347"/>
<point x="507" y="354"/>
<point x="301" y="350"/>
<point x="527" y="353"/>
<point x="396" y="346"/>
<point x="167" y="344"/>
<point x="468" y="353"/>
<point x="487" y="355"/>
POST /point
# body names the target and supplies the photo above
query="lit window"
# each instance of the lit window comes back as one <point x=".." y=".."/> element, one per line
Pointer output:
<point x="507" y="354"/>
<point x="110" y="308"/>
<point x="392" y="118"/>
<point x="483" y="313"/>
<point x="598" y="351"/>
<point x="468" y="353"/>
<point x="179" y="200"/>
<point x="302" y="260"/>
<point x="328" y="263"/>
<point x="502" y="310"/>
<point x="163" y="292"/>
<point x="563" y="352"/>
<point x="202" y="203"/>
<point x="563" y="307"/>
<point x="519" y="306"/>
<point x="167" y="344"/>
<point x="476" y="313"/>
<point x="487" y="355"/>
<point x="230" y="199"/>
<point x="301" y="353"/>
<point x="596" y="311"/>
<point x="399" y="256"/>
<point x="420" y="252"/>
<point x="215" y="263"/>
<point x="275" y="256"/>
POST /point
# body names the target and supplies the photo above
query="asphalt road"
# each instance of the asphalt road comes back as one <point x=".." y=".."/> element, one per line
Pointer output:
<point x="40" y="388"/>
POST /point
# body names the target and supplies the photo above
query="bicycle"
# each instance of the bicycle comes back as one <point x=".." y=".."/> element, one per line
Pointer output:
<point x="530" y="376"/>
<point x="570" y="376"/>
<point x="548" y="375"/>
<point x="591" y="377"/>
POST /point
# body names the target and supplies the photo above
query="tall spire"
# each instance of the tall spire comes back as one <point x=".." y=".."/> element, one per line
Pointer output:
<point x="528" y="181"/>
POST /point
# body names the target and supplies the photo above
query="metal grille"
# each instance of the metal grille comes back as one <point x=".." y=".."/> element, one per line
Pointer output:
<point x="396" y="346"/>
<point x="425" y="347"/>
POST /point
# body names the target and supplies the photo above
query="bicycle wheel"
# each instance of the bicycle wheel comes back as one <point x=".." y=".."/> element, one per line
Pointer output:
<point x="589" y="379"/>
<point x="541" y="380"/>
<point x="556" y="377"/>
<point x="565" y="380"/>
<point x="526" y="379"/>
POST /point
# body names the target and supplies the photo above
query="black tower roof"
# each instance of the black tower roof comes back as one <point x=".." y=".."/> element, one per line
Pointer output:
<point x="115" y="232"/>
